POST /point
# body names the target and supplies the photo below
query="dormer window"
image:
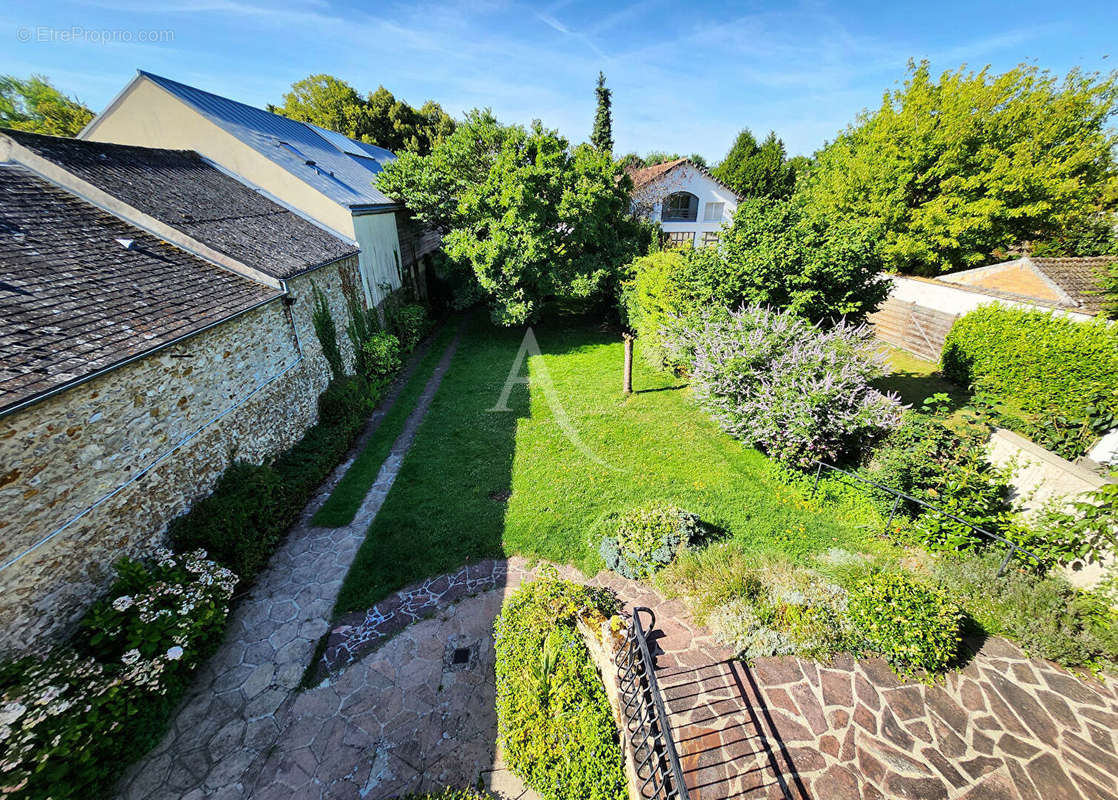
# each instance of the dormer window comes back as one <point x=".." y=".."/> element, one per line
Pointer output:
<point x="680" y="207"/>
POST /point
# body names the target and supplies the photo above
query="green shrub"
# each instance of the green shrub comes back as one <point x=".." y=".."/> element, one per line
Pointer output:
<point x="1043" y="363"/>
<point x="554" y="721"/>
<point x="327" y="333"/>
<point x="656" y="297"/>
<point x="382" y="355"/>
<point x="644" y="539"/>
<point x="450" y="794"/>
<point x="912" y="625"/>
<point x="927" y="460"/>
<point x="1044" y="614"/>
<point x="346" y="402"/>
<point x="409" y="323"/>
<point x="240" y="523"/>
<point x="70" y="723"/>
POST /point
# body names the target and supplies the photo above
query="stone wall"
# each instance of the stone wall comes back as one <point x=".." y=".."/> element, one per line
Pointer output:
<point x="67" y="463"/>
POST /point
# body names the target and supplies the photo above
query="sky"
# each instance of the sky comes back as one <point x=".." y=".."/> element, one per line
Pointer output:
<point x="686" y="76"/>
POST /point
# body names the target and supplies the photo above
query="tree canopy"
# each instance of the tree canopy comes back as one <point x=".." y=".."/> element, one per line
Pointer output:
<point x="35" y="105"/>
<point x="529" y="215"/>
<point x="658" y="157"/>
<point x="602" y="136"/>
<point x="757" y="170"/>
<point x="379" y="119"/>
<point x="956" y="172"/>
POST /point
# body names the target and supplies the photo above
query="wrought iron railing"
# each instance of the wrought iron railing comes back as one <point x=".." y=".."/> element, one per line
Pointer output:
<point x="659" y="773"/>
<point x="898" y="496"/>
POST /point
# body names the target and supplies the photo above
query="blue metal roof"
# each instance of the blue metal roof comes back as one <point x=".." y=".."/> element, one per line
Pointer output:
<point x="341" y="168"/>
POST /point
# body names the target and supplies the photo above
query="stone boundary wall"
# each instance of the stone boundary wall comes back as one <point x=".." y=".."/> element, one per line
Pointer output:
<point x="214" y="395"/>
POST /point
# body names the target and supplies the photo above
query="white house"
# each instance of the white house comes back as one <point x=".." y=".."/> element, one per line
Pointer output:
<point x="690" y="205"/>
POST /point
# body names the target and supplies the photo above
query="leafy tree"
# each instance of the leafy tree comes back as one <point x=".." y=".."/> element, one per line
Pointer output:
<point x="530" y="215"/>
<point x="602" y="137"/>
<point x="757" y="170"/>
<point x="632" y="160"/>
<point x="35" y="105"/>
<point x="776" y="254"/>
<point x="379" y="119"/>
<point x="959" y="170"/>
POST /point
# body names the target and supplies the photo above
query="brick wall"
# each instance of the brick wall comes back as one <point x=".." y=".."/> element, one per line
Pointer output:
<point x="66" y="453"/>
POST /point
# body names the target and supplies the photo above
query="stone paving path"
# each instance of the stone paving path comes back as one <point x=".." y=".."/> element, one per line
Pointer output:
<point x="1005" y="726"/>
<point x="241" y="699"/>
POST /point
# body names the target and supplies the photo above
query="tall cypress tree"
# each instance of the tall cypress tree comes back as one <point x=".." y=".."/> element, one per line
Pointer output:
<point x="602" y="137"/>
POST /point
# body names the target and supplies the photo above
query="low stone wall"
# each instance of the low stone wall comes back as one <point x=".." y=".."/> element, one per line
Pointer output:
<point x="1040" y="476"/>
<point x="70" y="504"/>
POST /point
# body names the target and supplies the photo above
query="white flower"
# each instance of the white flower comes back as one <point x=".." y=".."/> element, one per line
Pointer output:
<point x="175" y="653"/>
<point x="10" y="712"/>
<point x="123" y="603"/>
<point x="131" y="657"/>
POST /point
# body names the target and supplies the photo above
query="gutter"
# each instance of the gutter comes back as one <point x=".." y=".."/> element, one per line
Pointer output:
<point x="301" y="356"/>
<point x="360" y="209"/>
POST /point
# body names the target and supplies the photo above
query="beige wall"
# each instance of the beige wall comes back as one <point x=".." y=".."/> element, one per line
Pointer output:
<point x="380" y="254"/>
<point x="148" y="115"/>
<point x="68" y="452"/>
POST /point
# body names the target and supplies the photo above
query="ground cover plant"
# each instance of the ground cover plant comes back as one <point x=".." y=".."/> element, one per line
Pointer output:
<point x="340" y="507"/>
<point x="554" y="721"/>
<point x="481" y="482"/>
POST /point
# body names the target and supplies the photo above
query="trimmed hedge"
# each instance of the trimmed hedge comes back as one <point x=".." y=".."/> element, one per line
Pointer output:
<point x="251" y="507"/>
<point x="1043" y="363"/>
<point x="553" y="718"/>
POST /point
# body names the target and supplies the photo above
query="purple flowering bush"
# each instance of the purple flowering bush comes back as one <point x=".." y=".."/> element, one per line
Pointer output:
<point x="793" y="389"/>
<point x="71" y="720"/>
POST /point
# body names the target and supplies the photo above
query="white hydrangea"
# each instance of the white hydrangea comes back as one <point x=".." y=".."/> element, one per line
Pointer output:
<point x="123" y="603"/>
<point x="131" y="657"/>
<point x="175" y="653"/>
<point x="10" y="712"/>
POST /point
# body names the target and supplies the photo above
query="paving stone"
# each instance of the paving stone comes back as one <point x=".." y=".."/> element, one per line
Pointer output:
<point x="906" y="702"/>
<point x="902" y="786"/>
<point x="837" y="783"/>
<point x="1015" y="747"/>
<point x="837" y="688"/>
<point x="944" y="767"/>
<point x="1025" y="707"/>
<point x="1048" y="776"/>
<point x="992" y="787"/>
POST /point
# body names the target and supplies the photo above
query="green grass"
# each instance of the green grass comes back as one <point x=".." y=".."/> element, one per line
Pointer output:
<point x="656" y="444"/>
<point x="341" y="507"/>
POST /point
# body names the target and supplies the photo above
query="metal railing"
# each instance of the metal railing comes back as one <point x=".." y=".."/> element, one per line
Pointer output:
<point x="898" y="496"/>
<point x="659" y="773"/>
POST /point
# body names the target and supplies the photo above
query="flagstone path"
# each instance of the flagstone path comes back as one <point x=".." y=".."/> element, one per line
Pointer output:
<point x="241" y="698"/>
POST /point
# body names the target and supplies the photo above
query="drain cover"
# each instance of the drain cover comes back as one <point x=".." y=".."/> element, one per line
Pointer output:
<point x="460" y="654"/>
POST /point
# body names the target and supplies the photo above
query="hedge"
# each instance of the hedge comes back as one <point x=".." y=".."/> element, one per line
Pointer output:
<point x="1041" y="362"/>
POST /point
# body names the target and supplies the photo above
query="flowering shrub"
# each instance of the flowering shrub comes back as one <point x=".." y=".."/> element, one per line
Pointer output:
<point x="794" y="389"/>
<point x="382" y="355"/>
<point x="645" y="539"/>
<point x="68" y="721"/>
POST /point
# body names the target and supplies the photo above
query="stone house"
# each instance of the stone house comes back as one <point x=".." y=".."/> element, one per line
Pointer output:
<point x="322" y="174"/>
<point x="155" y="315"/>
<point x="688" y="202"/>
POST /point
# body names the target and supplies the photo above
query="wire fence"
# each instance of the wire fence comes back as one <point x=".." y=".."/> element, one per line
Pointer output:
<point x="1014" y="548"/>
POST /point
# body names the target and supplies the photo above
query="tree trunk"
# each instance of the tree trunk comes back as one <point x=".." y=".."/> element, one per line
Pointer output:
<point x="627" y="382"/>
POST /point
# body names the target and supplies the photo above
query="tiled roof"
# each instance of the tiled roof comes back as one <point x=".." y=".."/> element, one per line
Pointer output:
<point x="341" y="168"/>
<point x="181" y="189"/>
<point x="74" y="301"/>
<point x="646" y="175"/>
<point x="1079" y="277"/>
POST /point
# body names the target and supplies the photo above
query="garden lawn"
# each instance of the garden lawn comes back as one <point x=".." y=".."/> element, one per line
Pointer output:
<point x="480" y="483"/>
<point x="341" y="507"/>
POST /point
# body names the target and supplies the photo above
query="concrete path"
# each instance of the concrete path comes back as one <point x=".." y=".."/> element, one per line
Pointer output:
<point x="241" y="699"/>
